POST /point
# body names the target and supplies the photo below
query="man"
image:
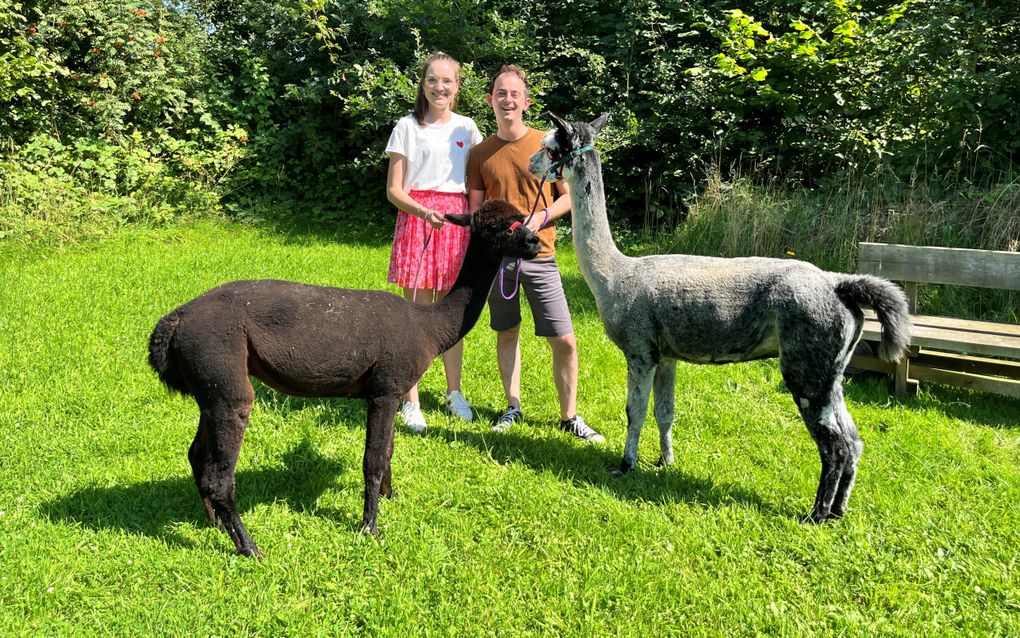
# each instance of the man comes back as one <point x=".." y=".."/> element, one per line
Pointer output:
<point x="498" y="169"/>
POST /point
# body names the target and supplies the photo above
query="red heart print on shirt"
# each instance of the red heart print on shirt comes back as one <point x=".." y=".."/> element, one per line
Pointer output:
<point x="460" y="144"/>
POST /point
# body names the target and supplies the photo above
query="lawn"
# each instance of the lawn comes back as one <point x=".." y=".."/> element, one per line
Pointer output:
<point x="523" y="533"/>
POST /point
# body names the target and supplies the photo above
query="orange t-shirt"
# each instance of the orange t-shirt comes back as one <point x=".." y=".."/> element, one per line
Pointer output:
<point x="500" y="168"/>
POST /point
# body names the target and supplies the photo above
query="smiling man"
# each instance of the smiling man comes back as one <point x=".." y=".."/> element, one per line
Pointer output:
<point x="498" y="169"/>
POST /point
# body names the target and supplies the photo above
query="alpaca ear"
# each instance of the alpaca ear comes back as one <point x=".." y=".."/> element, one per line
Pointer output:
<point x="559" y="122"/>
<point x="459" y="219"/>
<point x="599" y="122"/>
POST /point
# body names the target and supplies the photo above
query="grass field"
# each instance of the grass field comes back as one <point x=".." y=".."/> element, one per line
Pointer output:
<point x="524" y="533"/>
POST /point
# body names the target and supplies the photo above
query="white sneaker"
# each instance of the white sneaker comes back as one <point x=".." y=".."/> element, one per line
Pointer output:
<point x="410" y="413"/>
<point x="459" y="406"/>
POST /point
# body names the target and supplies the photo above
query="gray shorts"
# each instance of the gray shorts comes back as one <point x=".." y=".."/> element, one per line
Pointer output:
<point x="540" y="279"/>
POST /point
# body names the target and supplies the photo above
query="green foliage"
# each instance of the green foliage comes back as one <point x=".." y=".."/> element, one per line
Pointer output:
<point x="56" y="192"/>
<point x="27" y="72"/>
<point x="111" y="117"/>
<point x="754" y="215"/>
<point x="113" y="66"/>
<point x="310" y="89"/>
<point x="849" y="85"/>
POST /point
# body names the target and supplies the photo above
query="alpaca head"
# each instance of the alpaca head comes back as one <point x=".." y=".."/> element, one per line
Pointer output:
<point x="563" y="147"/>
<point x="500" y="228"/>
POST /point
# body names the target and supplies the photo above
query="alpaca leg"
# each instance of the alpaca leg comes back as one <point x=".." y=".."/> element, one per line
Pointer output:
<point x="847" y="429"/>
<point x="378" y="438"/>
<point x="196" y="456"/>
<point x="664" y="388"/>
<point x="640" y="370"/>
<point x="835" y="448"/>
<point x="226" y="422"/>
<point x="386" y="487"/>
<point x="849" y="475"/>
<point x="813" y="355"/>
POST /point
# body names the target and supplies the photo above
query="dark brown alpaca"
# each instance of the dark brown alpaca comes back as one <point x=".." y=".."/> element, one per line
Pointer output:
<point x="314" y="341"/>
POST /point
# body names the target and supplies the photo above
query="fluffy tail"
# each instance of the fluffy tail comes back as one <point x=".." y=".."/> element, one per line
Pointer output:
<point x="889" y="303"/>
<point x="159" y="353"/>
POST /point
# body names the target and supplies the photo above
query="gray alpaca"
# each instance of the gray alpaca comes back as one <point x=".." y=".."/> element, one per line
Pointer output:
<point x="664" y="308"/>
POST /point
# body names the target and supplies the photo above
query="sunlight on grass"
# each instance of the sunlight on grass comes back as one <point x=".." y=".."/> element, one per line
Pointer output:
<point x="524" y="533"/>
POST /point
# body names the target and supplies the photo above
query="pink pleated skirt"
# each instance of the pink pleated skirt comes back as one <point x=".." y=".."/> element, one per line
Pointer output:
<point x="438" y="268"/>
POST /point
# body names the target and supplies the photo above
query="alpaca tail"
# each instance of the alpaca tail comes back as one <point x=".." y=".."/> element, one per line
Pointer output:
<point x="889" y="303"/>
<point x="159" y="353"/>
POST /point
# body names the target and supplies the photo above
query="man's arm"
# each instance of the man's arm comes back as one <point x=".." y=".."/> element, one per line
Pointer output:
<point x="475" y="200"/>
<point x="557" y="209"/>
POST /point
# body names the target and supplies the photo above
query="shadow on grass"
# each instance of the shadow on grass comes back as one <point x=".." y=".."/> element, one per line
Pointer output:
<point x="152" y="508"/>
<point x="581" y="465"/>
<point x="302" y="226"/>
<point x="592" y="466"/>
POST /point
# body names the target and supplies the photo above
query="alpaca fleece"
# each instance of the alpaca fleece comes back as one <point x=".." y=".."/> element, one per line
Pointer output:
<point x="315" y="341"/>
<point x="665" y="308"/>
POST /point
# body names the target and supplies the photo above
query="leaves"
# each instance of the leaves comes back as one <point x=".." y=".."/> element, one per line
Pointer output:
<point x="316" y="85"/>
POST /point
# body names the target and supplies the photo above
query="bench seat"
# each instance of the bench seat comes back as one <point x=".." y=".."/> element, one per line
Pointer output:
<point x="981" y="355"/>
<point x="974" y="342"/>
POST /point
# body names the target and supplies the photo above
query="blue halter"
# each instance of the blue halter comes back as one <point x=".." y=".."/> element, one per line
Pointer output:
<point x="555" y="170"/>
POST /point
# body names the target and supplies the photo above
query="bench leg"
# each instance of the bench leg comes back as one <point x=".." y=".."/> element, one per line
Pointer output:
<point x="905" y="386"/>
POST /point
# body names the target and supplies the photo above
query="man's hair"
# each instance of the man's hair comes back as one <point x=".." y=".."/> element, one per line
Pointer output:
<point x="516" y="70"/>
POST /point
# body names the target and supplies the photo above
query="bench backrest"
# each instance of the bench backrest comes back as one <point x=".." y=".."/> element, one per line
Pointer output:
<point x="932" y="265"/>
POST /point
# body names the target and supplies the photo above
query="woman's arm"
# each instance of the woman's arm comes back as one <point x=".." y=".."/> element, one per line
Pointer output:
<point x="395" y="192"/>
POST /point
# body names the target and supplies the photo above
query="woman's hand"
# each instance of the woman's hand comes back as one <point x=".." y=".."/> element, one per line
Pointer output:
<point x="434" y="218"/>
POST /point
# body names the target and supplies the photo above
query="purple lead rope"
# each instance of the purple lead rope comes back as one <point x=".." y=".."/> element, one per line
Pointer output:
<point x="517" y="279"/>
<point x="421" y="258"/>
<point x="517" y="267"/>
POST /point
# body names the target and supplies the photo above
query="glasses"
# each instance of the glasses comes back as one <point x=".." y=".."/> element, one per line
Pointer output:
<point x="446" y="83"/>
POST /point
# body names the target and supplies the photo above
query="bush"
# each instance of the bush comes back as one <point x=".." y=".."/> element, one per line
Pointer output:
<point x="308" y="90"/>
<point x="57" y="192"/>
<point x="111" y="111"/>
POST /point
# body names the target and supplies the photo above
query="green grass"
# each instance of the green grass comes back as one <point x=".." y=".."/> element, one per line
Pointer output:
<point x="526" y="533"/>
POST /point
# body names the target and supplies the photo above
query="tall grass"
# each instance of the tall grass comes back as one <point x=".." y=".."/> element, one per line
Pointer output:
<point x="753" y="214"/>
<point x="524" y="533"/>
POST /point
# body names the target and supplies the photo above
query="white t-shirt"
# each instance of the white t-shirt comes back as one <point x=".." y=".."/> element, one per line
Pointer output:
<point x="436" y="153"/>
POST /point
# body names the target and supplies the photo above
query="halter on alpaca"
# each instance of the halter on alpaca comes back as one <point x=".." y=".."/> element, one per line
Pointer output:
<point x="664" y="308"/>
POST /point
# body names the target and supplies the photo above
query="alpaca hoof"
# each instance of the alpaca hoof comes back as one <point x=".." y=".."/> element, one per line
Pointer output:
<point x="664" y="461"/>
<point x="624" y="468"/>
<point x="369" y="529"/>
<point x="816" y="518"/>
<point x="252" y="552"/>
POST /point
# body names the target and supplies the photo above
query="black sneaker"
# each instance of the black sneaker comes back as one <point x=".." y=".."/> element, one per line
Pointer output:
<point x="508" y="419"/>
<point x="581" y="430"/>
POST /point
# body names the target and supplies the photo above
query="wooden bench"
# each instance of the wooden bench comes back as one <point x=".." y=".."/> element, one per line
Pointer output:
<point x="981" y="355"/>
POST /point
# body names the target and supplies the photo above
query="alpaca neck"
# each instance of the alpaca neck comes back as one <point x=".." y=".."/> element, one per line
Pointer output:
<point x="597" y="255"/>
<point x="449" y="320"/>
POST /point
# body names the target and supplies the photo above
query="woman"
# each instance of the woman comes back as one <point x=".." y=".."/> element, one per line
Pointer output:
<point x="428" y="152"/>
